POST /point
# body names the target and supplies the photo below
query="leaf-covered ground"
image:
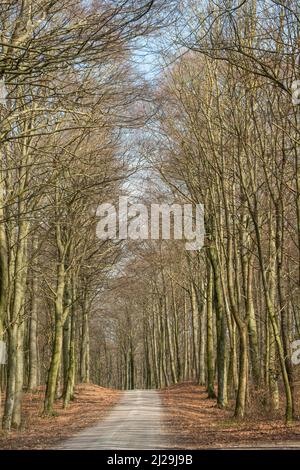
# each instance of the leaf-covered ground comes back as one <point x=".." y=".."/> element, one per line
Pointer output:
<point x="90" y="404"/>
<point x="194" y="421"/>
<point x="191" y="420"/>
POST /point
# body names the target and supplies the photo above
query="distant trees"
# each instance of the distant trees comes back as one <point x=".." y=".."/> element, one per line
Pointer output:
<point x="226" y="135"/>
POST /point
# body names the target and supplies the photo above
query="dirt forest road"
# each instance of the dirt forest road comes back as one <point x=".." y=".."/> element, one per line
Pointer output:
<point x="141" y="420"/>
<point x="135" y="423"/>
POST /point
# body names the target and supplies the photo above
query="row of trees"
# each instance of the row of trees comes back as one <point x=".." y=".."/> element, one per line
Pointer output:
<point x="67" y="89"/>
<point x="226" y="135"/>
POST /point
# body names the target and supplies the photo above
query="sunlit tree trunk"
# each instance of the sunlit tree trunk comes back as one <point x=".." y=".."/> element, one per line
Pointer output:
<point x="210" y="333"/>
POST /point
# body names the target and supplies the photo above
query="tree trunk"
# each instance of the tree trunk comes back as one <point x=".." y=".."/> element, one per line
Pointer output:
<point x="16" y="416"/>
<point x="240" y="403"/>
<point x="85" y="349"/>
<point x="60" y="317"/>
<point x="210" y="342"/>
<point x="69" y="389"/>
<point x="222" y="397"/>
<point x="33" y="353"/>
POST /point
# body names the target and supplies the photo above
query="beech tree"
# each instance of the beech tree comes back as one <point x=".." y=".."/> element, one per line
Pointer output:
<point x="81" y="125"/>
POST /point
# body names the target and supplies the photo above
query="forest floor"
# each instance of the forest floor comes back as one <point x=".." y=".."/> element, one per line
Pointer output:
<point x="190" y="420"/>
<point x="194" y="421"/>
<point x="90" y="405"/>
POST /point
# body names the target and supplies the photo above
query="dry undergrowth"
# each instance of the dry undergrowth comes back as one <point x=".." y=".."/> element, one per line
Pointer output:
<point x="90" y="404"/>
<point x="194" y="421"/>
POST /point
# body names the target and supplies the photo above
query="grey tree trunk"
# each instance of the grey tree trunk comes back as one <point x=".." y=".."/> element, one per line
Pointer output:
<point x="85" y="349"/>
<point x="33" y="353"/>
